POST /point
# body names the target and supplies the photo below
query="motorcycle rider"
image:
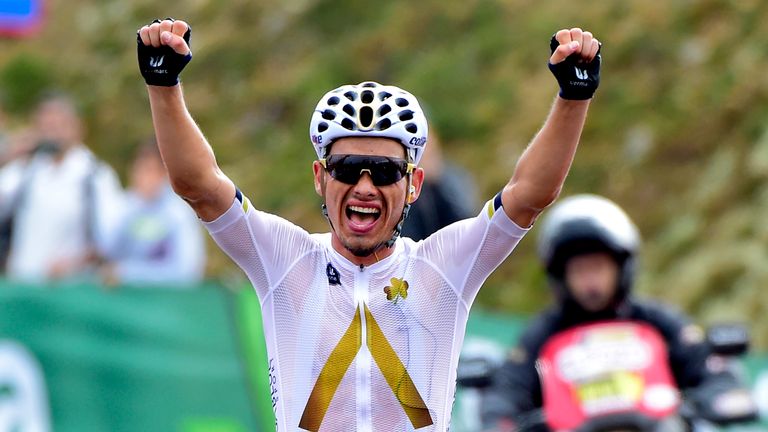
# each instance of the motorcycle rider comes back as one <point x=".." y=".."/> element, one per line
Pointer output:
<point x="589" y="247"/>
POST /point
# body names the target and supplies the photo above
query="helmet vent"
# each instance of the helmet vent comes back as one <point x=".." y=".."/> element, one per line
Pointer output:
<point x="369" y="84"/>
<point x="383" y="124"/>
<point x="333" y="101"/>
<point x="329" y="114"/>
<point x="366" y="115"/>
<point x="348" y="124"/>
<point x="351" y="95"/>
<point x="411" y="127"/>
<point x="384" y="95"/>
<point x="349" y="109"/>
<point x="405" y="115"/>
<point x="401" y="102"/>
<point x="367" y="97"/>
<point x="322" y="127"/>
<point x="384" y="110"/>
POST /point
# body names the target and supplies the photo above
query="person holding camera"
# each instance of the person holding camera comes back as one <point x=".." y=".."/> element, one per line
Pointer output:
<point x="57" y="199"/>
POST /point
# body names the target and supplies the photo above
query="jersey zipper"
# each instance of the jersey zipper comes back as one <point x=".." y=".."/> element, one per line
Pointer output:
<point x="363" y="363"/>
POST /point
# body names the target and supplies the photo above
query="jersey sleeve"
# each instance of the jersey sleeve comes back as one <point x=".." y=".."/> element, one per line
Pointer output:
<point x="263" y="245"/>
<point x="467" y="251"/>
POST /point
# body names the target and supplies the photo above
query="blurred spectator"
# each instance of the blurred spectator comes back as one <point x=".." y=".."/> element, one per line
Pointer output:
<point x="447" y="195"/>
<point x="57" y="199"/>
<point x="158" y="240"/>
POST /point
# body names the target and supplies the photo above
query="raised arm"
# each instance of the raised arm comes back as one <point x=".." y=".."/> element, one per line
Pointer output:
<point x="541" y="171"/>
<point x="163" y="51"/>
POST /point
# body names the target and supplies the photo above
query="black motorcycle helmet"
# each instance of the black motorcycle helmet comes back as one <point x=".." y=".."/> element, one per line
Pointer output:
<point x="584" y="224"/>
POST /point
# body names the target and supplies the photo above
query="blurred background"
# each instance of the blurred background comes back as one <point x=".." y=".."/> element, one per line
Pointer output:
<point x="677" y="135"/>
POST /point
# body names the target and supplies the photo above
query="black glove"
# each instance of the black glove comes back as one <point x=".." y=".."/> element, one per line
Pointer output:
<point x="578" y="80"/>
<point x="161" y="66"/>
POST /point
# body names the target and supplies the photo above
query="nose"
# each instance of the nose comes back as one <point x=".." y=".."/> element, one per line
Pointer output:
<point x="365" y="186"/>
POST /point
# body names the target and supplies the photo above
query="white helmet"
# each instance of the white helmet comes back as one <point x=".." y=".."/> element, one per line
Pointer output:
<point x="369" y="109"/>
<point x="590" y="216"/>
<point x="588" y="223"/>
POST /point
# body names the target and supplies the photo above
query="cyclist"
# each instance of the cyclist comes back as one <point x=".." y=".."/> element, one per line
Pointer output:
<point x="589" y="248"/>
<point x="363" y="328"/>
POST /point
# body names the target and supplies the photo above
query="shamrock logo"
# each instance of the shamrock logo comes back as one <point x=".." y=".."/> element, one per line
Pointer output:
<point x="398" y="289"/>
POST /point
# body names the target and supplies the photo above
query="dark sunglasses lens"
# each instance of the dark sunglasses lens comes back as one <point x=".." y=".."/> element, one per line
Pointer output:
<point x="346" y="173"/>
<point x="386" y="173"/>
<point x="349" y="168"/>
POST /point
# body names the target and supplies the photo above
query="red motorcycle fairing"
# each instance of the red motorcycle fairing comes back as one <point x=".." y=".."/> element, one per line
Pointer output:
<point x="607" y="369"/>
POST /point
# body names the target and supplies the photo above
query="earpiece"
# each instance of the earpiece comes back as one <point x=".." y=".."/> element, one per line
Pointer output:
<point x="412" y="190"/>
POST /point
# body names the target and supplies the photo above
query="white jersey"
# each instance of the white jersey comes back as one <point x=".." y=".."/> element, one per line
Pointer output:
<point x="364" y="348"/>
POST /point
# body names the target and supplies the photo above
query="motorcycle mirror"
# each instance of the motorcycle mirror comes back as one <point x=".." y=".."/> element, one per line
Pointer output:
<point x="735" y="405"/>
<point x="475" y="372"/>
<point x="728" y="339"/>
<point x="479" y="360"/>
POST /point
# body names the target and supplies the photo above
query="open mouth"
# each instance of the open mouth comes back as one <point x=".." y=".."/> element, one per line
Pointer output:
<point x="362" y="219"/>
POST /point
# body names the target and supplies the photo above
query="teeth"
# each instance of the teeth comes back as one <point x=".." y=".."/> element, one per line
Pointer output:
<point x="368" y="210"/>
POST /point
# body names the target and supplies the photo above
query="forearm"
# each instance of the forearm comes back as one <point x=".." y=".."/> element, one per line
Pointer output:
<point x="543" y="167"/>
<point x="188" y="157"/>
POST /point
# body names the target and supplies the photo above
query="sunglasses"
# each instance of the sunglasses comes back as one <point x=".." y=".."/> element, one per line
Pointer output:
<point x="382" y="169"/>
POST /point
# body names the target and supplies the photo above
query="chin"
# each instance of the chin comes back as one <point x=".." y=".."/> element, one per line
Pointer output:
<point x="596" y="308"/>
<point x="362" y="253"/>
<point x="364" y="248"/>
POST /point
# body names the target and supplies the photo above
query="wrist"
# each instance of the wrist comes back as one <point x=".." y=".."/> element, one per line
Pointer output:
<point x="164" y="92"/>
<point x="164" y="88"/>
<point x="573" y="102"/>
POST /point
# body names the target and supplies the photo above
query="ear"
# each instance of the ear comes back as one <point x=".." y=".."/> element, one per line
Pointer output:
<point x="319" y="175"/>
<point x="417" y="181"/>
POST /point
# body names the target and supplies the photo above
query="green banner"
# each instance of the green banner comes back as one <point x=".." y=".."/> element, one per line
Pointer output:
<point x="80" y="358"/>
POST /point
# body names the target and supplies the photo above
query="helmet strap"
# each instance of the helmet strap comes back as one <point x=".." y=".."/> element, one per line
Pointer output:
<point x="324" y="208"/>
<point x="406" y="209"/>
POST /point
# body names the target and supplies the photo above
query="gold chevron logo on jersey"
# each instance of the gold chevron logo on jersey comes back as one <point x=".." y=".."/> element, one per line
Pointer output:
<point x="395" y="374"/>
<point x="386" y="359"/>
<point x="331" y="375"/>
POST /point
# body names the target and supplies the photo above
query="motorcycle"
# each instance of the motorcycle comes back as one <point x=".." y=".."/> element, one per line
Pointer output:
<point x="614" y="376"/>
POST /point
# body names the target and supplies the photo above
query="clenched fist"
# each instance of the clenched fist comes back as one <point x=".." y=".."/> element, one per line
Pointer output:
<point x="163" y="51"/>
<point x="575" y="62"/>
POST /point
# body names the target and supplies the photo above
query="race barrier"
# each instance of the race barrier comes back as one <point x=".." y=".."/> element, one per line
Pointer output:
<point x="83" y="357"/>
